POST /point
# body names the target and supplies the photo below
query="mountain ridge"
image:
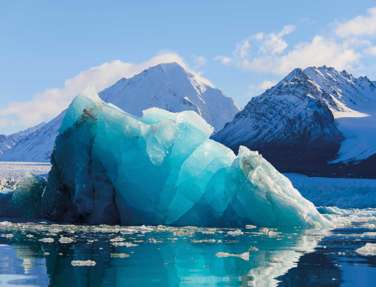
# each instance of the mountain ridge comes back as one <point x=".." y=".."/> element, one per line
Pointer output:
<point x="168" y="86"/>
<point x="332" y="134"/>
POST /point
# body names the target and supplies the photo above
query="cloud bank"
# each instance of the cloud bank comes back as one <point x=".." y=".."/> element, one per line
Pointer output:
<point x="363" y="25"/>
<point x="344" y="46"/>
<point x="47" y="104"/>
<point x="270" y="53"/>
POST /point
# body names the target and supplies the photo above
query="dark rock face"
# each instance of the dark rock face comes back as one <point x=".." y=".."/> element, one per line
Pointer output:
<point x="293" y="130"/>
<point x="75" y="175"/>
<point x="361" y="169"/>
<point x="304" y="123"/>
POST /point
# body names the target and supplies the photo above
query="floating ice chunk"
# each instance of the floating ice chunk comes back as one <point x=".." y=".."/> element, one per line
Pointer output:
<point x="250" y="226"/>
<point x="124" y="244"/>
<point x="269" y="232"/>
<point x="8" y="235"/>
<point x="369" y="234"/>
<point x="119" y="255"/>
<point x="236" y="232"/>
<point x="205" y="241"/>
<point x="184" y="232"/>
<point x="83" y="263"/>
<point x="367" y="250"/>
<point x="244" y="256"/>
<point x="65" y="240"/>
<point x="111" y="167"/>
<point x="117" y="239"/>
<point x="47" y="240"/>
<point x="154" y="241"/>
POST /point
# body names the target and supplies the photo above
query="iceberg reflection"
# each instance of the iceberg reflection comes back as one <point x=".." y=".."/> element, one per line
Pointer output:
<point x="158" y="256"/>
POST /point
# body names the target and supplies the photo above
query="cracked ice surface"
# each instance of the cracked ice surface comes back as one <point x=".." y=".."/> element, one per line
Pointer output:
<point x="111" y="167"/>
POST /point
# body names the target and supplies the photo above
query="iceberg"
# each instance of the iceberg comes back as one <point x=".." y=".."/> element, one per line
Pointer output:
<point x="369" y="249"/>
<point x="23" y="201"/>
<point x="111" y="167"/>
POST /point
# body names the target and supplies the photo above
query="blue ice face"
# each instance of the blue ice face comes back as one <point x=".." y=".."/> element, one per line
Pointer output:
<point x="162" y="168"/>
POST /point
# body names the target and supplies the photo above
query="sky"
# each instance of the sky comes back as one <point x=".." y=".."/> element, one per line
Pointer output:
<point x="52" y="50"/>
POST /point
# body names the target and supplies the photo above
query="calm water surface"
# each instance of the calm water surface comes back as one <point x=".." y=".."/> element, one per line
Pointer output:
<point x="41" y="254"/>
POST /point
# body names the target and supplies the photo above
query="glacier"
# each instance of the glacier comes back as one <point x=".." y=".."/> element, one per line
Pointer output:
<point x="111" y="167"/>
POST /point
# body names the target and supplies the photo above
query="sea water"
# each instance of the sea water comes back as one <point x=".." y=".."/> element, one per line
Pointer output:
<point x="42" y="254"/>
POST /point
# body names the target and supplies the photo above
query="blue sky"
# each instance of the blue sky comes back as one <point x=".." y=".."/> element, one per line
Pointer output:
<point x="242" y="47"/>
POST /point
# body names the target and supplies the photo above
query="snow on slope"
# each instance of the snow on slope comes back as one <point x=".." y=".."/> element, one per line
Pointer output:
<point x="166" y="86"/>
<point x="360" y="137"/>
<point x="288" y="124"/>
<point x="8" y="142"/>
<point x="170" y="87"/>
<point x="346" y="94"/>
<point x="281" y="113"/>
<point x="5" y="144"/>
<point x="35" y="146"/>
<point x="353" y="104"/>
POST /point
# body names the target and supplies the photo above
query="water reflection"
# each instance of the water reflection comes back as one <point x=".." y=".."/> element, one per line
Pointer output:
<point x="158" y="256"/>
<point x="313" y="269"/>
<point x="21" y="266"/>
<point x="335" y="261"/>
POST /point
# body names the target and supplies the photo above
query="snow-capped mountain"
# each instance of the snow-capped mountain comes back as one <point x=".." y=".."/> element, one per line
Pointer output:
<point x="8" y="142"/>
<point x="5" y="144"/>
<point x="37" y="145"/>
<point x="353" y="104"/>
<point x="168" y="86"/>
<point x="311" y="117"/>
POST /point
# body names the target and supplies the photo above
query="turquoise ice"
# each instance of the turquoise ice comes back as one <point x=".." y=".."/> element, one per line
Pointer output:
<point x="162" y="168"/>
<point x="24" y="200"/>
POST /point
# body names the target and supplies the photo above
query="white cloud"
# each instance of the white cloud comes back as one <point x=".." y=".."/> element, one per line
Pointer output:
<point x="274" y="43"/>
<point x="242" y="49"/>
<point x="270" y="53"/>
<point x="266" y="85"/>
<point x="223" y="60"/>
<point x="255" y="89"/>
<point x="47" y="104"/>
<point x="263" y="44"/>
<point x="319" y="51"/>
<point x="364" y="25"/>
<point x="370" y="50"/>
<point x="199" y="61"/>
